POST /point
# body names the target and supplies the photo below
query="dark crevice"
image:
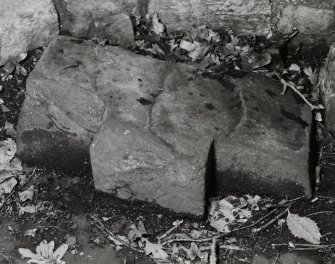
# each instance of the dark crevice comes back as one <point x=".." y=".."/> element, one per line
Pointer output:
<point x="65" y="18"/>
<point x="314" y="148"/>
<point x="210" y="177"/>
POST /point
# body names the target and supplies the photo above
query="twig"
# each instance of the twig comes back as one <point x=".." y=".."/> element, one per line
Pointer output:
<point x="190" y="240"/>
<point x="323" y="212"/>
<point x="231" y="247"/>
<point x="327" y="197"/>
<point x="258" y="221"/>
<point x="293" y="87"/>
<point x="217" y="236"/>
<point x="305" y="246"/>
<point x="327" y="234"/>
<point x="294" y="199"/>
<point x="170" y="230"/>
<point x="302" y="249"/>
<point x="32" y="174"/>
<point x="107" y="232"/>
<point x="256" y="230"/>
<point x="212" y="258"/>
<point x="7" y="198"/>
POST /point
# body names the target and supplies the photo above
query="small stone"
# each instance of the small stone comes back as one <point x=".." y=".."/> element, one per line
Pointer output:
<point x="195" y="225"/>
<point x="123" y="193"/>
<point x="70" y="240"/>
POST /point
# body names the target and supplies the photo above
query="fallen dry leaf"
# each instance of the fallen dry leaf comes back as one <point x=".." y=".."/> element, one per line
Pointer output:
<point x="27" y="194"/>
<point x="7" y="186"/>
<point x="303" y="227"/>
<point x="156" y="26"/>
<point x="31" y="209"/>
<point x="30" y="232"/>
<point x="155" y="250"/>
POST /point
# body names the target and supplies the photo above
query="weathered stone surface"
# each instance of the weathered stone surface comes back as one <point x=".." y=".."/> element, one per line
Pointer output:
<point x="25" y="25"/>
<point x="62" y="111"/>
<point x="246" y="17"/>
<point x="154" y="124"/>
<point x="327" y="88"/>
<point x="306" y="19"/>
<point x="114" y="30"/>
<point x="163" y="158"/>
<point x="267" y="152"/>
<point x="97" y="19"/>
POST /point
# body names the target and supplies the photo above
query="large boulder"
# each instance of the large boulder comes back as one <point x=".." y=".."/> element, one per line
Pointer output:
<point x="268" y="150"/>
<point x="161" y="156"/>
<point x="160" y="133"/>
<point x="25" y="25"/>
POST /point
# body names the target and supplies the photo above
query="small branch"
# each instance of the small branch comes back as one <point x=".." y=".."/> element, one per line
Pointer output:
<point x="306" y="246"/>
<point x="108" y="233"/>
<point x="256" y="230"/>
<point x="293" y="87"/>
<point x="212" y="258"/>
<point x="323" y="212"/>
<point x="189" y="240"/>
<point x="30" y="176"/>
<point x="7" y="198"/>
<point x="231" y="247"/>
<point x="217" y="236"/>
<point x="294" y="200"/>
<point x="170" y="230"/>
<point x="327" y="197"/>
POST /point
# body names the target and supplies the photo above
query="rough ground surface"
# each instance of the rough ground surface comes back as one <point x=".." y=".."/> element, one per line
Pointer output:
<point x="154" y="124"/>
<point x="69" y="201"/>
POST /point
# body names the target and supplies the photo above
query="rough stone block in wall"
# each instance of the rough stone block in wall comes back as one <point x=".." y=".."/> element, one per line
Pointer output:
<point x="245" y="17"/>
<point x="25" y="25"/>
<point x="100" y="19"/>
<point x="306" y="19"/>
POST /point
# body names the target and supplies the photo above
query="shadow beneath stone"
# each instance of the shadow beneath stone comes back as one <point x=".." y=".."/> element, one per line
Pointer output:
<point x="210" y="177"/>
